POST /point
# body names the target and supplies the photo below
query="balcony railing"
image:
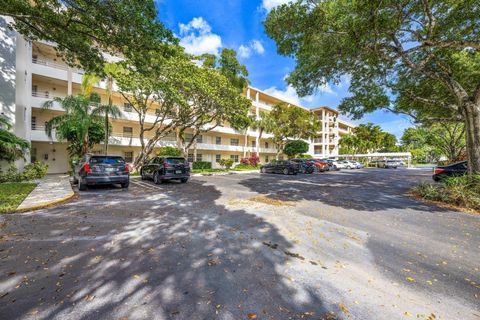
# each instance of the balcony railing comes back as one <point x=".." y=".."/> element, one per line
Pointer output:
<point x="56" y="65"/>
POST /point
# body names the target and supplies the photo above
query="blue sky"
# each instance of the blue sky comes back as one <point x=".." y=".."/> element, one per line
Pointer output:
<point x="209" y="25"/>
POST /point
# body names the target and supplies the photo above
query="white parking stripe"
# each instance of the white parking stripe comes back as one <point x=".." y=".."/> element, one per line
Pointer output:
<point x="144" y="184"/>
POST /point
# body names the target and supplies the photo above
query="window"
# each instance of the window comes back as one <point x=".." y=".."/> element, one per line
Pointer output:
<point x="199" y="138"/>
<point x="34" y="58"/>
<point x="34" y="90"/>
<point x="127" y="107"/>
<point x="266" y="145"/>
<point x="254" y="143"/>
<point x="280" y="158"/>
<point x="188" y="137"/>
<point x="218" y="140"/>
<point x="199" y="157"/>
<point x="218" y="157"/>
<point x="234" y="142"/>
<point x="266" y="159"/>
<point x="128" y="155"/>
<point x="234" y="157"/>
<point x="34" y="123"/>
<point x="127" y="132"/>
<point x="190" y="157"/>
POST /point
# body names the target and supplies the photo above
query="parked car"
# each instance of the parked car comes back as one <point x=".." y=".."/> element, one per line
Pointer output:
<point x="338" y="164"/>
<point x="304" y="166"/>
<point x="280" y="166"/>
<point x="356" y="164"/>
<point x="320" y="165"/>
<point x="164" y="168"/>
<point x="333" y="165"/>
<point x="452" y="170"/>
<point x="388" y="164"/>
<point x="96" y="169"/>
<point x="346" y="164"/>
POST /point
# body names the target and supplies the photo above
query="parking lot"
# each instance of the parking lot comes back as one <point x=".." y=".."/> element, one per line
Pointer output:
<point x="244" y="246"/>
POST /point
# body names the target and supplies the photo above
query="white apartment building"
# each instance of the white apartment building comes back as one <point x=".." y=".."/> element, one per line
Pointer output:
<point x="32" y="73"/>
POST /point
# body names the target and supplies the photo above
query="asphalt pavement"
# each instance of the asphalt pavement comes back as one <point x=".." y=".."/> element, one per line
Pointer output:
<point x="339" y="245"/>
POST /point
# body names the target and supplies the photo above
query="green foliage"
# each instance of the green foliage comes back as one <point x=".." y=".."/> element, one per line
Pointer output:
<point x="13" y="194"/>
<point x="420" y="59"/>
<point x="226" y="163"/>
<point x="304" y="156"/>
<point x="368" y="138"/>
<point x="294" y="147"/>
<point x="201" y="165"/>
<point x="292" y="122"/>
<point x="85" y="29"/>
<point x="81" y="125"/>
<point x="208" y="170"/>
<point x="169" y="151"/>
<point x="245" y="167"/>
<point x="36" y="170"/>
<point x="11" y="146"/>
<point x="462" y="191"/>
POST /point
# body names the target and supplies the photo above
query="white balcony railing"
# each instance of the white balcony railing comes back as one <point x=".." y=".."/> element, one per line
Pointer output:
<point x="56" y="65"/>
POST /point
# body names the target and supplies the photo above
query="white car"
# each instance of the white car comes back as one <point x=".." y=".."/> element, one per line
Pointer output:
<point x="338" y="164"/>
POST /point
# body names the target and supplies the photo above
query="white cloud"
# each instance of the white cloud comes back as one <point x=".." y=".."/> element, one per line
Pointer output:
<point x="255" y="46"/>
<point x="270" y="4"/>
<point x="197" y="37"/>
<point x="290" y="95"/>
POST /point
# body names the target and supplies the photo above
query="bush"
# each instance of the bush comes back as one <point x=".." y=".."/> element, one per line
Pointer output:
<point x="305" y="156"/>
<point x="169" y="151"/>
<point x="253" y="161"/>
<point x="242" y="166"/>
<point x="36" y="170"/>
<point x="226" y="163"/>
<point x="462" y="191"/>
<point x="201" y="165"/>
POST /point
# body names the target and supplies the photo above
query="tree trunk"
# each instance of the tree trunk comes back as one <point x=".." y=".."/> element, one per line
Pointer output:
<point x="245" y="145"/>
<point x="110" y="102"/>
<point x="471" y="114"/>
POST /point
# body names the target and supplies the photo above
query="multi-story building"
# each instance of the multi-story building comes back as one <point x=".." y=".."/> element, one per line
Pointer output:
<point x="32" y="74"/>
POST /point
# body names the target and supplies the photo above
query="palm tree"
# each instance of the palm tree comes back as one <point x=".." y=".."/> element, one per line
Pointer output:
<point x="11" y="146"/>
<point x="81" y="124"/>
<point x="263" y="124"/>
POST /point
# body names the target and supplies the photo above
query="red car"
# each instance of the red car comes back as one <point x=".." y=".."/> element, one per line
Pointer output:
<point x="320" y="165"/>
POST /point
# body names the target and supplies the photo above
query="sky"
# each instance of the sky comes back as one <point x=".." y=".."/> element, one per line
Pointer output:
<point x="207" y="26"/>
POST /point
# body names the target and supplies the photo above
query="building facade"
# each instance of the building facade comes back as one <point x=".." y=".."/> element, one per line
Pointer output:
<point x="33" y="74"/>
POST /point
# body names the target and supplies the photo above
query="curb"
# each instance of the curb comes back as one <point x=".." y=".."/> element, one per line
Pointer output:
<point x="46" y="204"/>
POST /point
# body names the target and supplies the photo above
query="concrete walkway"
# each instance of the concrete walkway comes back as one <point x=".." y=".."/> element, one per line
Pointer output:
<point x="50" y="190"/>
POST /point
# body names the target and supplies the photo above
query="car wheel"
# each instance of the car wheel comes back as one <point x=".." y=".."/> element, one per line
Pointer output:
<point x="286" y="171"/>
<point x="263" y="170"/>
<point x="142" y="176"/>
<point x="184" y="180"/>
<point x="81" y="186"/>
<point x="125" y="185"/>
<point x="156" y="178"/>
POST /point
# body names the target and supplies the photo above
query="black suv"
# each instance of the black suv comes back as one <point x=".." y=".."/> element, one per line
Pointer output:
<point x="280" y="166"/>
<point x="94" y="170"/>
<point x="304" y="166"/>
<point x="166" y="168"/>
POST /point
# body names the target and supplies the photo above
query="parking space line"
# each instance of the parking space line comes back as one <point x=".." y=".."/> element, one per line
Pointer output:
<point x="144" y="185"/>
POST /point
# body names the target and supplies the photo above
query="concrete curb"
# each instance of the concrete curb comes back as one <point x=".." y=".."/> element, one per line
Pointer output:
<point x="46" y="203"/>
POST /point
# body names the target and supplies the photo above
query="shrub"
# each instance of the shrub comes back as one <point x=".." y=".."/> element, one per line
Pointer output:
<point x="169" y="151"/>
<point x="253" y="161"/>
<point x="36" y="170"/>
<point x="226" y="163"/>
<point x="305" y="156"/>
<point x="244" y="161"/>
<point x="462" y="191"/>
<point x="31" y="171"/>
<point x="242" y="166"/>
<point x="201" y="165"/>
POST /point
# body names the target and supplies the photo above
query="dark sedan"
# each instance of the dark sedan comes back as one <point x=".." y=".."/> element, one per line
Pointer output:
<point x="304" y="165"/>
<point x="280" y="166"/>
<point x="95" y="170"/>
<point x="452" y="170"/>
<point x="160" y="169"/>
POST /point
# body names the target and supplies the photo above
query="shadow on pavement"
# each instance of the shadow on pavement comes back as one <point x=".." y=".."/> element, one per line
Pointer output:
<point x="172" y="254"/>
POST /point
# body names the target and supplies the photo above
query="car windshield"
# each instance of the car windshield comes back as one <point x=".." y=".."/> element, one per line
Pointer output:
<point x="106" y="160"/>
<point x="175" y="160"/>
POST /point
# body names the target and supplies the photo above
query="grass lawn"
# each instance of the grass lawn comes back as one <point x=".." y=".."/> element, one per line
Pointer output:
<point x="12" y="195"/>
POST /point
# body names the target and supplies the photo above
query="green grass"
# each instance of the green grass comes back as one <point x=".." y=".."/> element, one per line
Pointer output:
<point x="245" y="167"/>
<point x="12" y="195"/>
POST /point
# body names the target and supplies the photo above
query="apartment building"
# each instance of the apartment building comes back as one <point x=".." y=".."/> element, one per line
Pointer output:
<point x="33" y="74"/>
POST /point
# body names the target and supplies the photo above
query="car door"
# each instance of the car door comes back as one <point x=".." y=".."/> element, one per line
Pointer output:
<point x="270" y="167"/>
<point x="148" y="168"/>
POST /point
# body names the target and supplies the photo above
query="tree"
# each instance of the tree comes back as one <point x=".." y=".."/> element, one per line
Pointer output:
<point x="420" y="58"/>
<point x="169" y="151"/>
<point x="11" y="147"/>
<point x="389" y="143"/>
<point x="83" y="30"/>
<point x="80" y="125"/>
<point x="434" y="140"/>
<point x="368" y="138"/>
<point x="294" y="147"/>
<point x="174" y="95"/>
<point x="291" y="122"/>
<point x="264" y="123"/>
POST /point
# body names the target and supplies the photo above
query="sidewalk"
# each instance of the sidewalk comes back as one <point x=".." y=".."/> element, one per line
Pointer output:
<point x="50" y="190"/>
